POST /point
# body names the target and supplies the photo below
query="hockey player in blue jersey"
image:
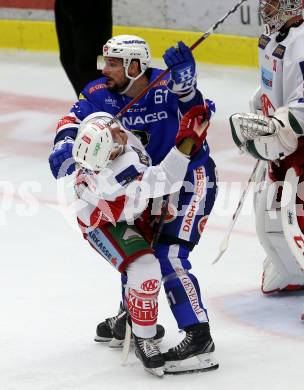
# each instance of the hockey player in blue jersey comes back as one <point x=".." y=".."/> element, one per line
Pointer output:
<point x="155" y="119"/>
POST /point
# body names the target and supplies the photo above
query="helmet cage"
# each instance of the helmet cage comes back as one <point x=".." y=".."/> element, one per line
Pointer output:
<point x="283" y="11"/>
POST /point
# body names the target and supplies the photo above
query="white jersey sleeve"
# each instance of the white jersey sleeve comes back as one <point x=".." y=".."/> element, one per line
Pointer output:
<point x="293" y="75"/>
<point x="165" y="178"/>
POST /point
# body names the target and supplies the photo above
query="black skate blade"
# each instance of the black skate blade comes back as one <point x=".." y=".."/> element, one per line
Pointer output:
<point x="215" y="367"/>
<point x="99" y="339"/>
<point x="197" y="363"/>
<point x="116" y="343"/>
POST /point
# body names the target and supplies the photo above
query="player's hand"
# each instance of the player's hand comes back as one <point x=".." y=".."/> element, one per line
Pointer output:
<point x="193" y="129"/>
<point x="61" y="160"/>
<point x="181" y="63"/>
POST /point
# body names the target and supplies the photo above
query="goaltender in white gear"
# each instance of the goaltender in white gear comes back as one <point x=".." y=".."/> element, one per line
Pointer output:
<point x="273" y="133"/>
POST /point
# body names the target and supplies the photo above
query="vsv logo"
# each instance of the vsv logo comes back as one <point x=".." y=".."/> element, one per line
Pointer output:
<point x="185" y="75"/>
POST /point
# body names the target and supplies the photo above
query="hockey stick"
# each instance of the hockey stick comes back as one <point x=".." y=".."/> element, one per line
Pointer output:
<point x="166" y="71"/>
<point x="127" y="343"/>
<point x="225" y="241"/>
<point x="163" y="213"/>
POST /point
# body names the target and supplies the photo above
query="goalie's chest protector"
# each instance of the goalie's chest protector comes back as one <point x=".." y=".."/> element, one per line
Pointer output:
<point x="281" y="69"/>
<point x="271" y="56"/>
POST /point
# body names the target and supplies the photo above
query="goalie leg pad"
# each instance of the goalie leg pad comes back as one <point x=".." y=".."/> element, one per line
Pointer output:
<point x="280" y="267"/>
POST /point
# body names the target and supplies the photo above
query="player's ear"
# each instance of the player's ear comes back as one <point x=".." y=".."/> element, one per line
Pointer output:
<point x="134" y="68"/>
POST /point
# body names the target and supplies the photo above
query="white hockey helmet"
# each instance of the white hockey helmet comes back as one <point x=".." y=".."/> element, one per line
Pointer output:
<point x="275" y="13"/>
<point x="128" y="48"/>
<point x="94" y="142"/>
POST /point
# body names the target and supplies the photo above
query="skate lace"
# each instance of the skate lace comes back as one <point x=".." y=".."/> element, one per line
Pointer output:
<point x="112" y="320"/>
<point x="186" y="341"/>
<point x="149" y="347"/>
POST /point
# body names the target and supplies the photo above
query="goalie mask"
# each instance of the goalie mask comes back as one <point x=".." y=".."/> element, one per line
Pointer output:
<point x="94" y="143"/>
<point x="275" y="13"/>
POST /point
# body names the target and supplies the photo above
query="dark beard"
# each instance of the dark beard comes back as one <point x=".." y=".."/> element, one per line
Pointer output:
<point x="119" y="88"/>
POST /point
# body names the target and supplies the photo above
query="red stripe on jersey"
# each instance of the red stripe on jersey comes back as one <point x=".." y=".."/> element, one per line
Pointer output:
<point x="97" y="87"/>
<point x="66" y="120"/>
<point x="108" y="211"/>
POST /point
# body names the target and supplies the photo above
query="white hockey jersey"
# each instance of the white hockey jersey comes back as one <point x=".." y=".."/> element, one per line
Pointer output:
<point x="282" y="74"/>
<point x="121" y="191"/>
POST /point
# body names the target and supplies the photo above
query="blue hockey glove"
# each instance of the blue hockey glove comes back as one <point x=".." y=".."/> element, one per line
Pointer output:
<point x="181" y="63"/>
<point x="61" y="160"/>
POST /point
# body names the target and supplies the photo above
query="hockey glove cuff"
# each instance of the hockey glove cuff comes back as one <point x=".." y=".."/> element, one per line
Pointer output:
<point x="193" y="129"/>
<point x="61" y="160"/>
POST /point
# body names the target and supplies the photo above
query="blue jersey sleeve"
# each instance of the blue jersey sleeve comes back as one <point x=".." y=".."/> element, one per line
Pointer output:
<point x="91" y="99"/>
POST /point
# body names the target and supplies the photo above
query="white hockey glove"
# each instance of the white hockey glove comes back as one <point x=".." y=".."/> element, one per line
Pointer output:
<point x="266" y="138"/>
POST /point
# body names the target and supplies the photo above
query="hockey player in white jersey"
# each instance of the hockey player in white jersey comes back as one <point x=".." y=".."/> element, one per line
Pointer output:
<point x="273" y="133"/>
<point x="114" y="182"/>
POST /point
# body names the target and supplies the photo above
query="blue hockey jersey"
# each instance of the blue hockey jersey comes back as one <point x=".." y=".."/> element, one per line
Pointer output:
<point x="154" y="118"/>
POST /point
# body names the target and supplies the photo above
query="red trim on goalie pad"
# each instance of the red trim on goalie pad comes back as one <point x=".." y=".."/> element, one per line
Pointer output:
<point x="292" y="287"/>
<point x="288" y="288"/>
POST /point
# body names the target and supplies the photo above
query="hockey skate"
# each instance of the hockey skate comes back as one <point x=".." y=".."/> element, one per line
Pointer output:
<point x="112" y="330"/>
<point x="193" y="354"/>
<point x="148" y="352"/>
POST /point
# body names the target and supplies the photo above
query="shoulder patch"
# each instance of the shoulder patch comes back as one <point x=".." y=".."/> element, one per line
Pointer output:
<point x="279" y="51"/>
<point x="142" y="157"/>
<point x="127" y="175"/>
<point x="96" y="88"/>
<point x="161" y="83"/>
<point x="263" y="41"/>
